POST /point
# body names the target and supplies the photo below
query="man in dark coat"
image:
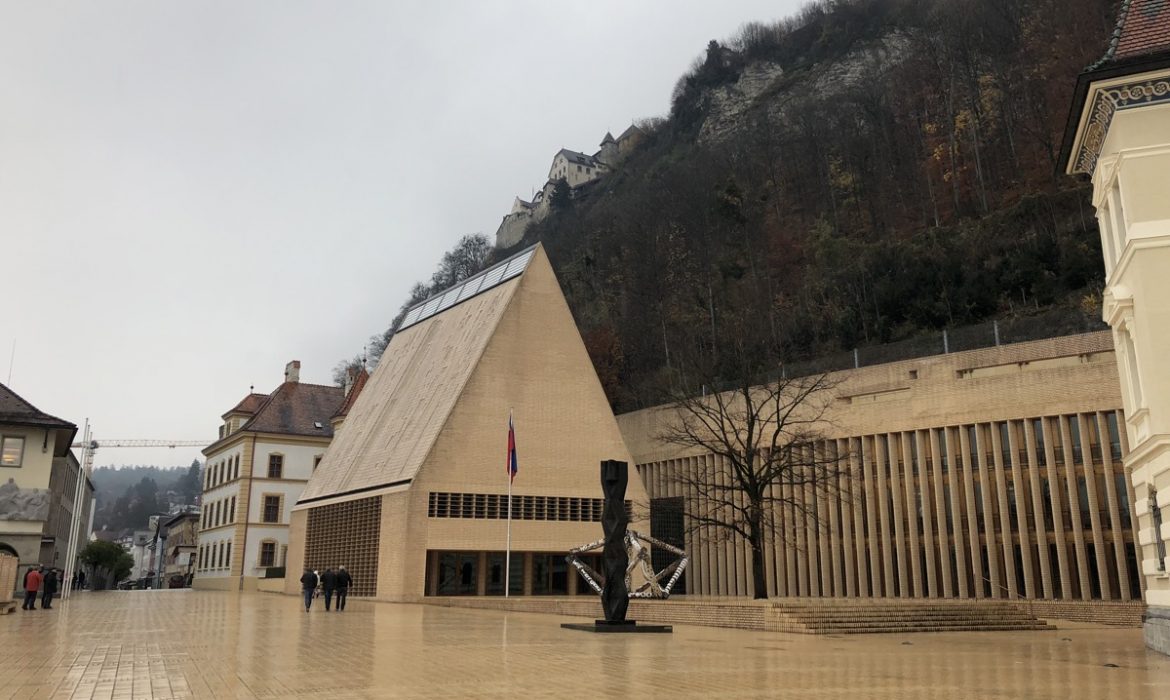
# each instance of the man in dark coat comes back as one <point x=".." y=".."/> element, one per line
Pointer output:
<point x="32" y="585"/>
<point x="49" y="589"/>
<point x="328" y="583"/>
<point x="308" y="587"/>
<point x="343" y="581"/>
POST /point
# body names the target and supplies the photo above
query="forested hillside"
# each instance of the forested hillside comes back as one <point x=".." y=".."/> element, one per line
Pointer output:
<point x="128" y="496"/>
<point x="865" y="172"/>
<point x="862" y="173"/>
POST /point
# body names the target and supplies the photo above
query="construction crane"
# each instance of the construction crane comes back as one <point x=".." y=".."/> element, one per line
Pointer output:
<point x="88" y="448"/>
<point x="95" y="444"/>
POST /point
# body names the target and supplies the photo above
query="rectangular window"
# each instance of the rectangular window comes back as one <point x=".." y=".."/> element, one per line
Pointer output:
<point x="272" y="509"/>
<point x="267" y="554"/>
<point x="275" y="466"/>
<point x="1114" y="435"/>
<point x="11" y="451"/>
<point x="232" y="512"/>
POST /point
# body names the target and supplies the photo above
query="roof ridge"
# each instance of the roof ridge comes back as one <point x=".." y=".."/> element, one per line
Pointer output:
<point x="38" y="412"/>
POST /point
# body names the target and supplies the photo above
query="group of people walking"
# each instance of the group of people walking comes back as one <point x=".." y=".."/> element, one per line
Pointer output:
<point x="39" y="580"/>
<point x="332" y="582"/>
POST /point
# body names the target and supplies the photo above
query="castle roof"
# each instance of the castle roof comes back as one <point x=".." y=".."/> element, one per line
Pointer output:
<point x="608" y="138"/>
<point x="577" y="157"/>
<point x="632" y="130"/>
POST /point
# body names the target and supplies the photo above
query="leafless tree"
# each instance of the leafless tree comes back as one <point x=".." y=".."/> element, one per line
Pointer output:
<point x="768" y="462"/>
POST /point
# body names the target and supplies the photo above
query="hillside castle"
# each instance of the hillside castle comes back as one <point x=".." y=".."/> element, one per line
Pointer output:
<point x="577" y="170"/>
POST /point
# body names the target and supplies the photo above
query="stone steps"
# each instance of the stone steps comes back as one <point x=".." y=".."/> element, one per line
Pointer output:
<point x="874" y="616"/>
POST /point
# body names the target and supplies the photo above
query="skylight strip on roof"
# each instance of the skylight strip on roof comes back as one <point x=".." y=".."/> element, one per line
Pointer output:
<point x="494" y="275"/>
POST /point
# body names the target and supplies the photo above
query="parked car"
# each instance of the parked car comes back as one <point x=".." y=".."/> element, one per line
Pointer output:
<point x="177" y="581"/>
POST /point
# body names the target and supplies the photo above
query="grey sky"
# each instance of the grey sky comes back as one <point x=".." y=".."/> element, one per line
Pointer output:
<point x="194" y="193"/>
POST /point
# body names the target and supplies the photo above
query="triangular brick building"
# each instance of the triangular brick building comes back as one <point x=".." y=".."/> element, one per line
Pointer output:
<point x="412" y="495"/>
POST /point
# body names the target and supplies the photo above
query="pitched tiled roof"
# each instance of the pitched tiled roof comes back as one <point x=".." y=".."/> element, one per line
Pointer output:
<point x="249" y="404"/>
<point x="630" y="131"/>
<point x="1143" y="28"/>
<point x="15" y="410"/>
<point x="359" y="383"/>
<point x="576" y="157"/>
<point x="297" y="409"/>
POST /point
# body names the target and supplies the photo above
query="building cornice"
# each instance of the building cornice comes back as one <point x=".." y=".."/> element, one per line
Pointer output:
<point x="1098" y="97"/>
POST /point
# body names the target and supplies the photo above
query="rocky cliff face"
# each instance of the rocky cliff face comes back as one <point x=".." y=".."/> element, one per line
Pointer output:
<point x="766" y="86"/>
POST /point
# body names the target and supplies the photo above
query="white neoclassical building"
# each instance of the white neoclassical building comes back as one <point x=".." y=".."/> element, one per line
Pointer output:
<point x="1119" y="136"/>
<point x="268" y="447"/>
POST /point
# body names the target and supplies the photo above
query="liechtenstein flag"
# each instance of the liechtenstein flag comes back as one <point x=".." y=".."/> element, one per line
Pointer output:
<point x="511" y="466"/>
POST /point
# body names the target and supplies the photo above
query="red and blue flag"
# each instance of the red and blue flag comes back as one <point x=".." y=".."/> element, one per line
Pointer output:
<point x="512" y="465"/>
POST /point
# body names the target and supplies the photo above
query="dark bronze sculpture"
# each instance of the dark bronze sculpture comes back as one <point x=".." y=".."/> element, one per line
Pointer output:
<point x="613" y="582"/>
<point x="615" y="599"/>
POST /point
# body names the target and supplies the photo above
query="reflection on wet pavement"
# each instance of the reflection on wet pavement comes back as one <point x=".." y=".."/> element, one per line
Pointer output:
<point x="183" y="644"/>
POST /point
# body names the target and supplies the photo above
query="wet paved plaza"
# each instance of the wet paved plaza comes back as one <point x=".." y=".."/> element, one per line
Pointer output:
<point x="189" y="644"/>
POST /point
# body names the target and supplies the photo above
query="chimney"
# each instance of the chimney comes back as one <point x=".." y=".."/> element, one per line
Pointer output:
<point x="292" y="371"/>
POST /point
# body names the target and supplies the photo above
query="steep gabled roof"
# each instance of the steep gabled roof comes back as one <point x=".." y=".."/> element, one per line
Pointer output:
<point x="608" y="139"/>
<point x="16" y="411"/>
<point x="394" y="423"/>
<point x="297" y="409"/>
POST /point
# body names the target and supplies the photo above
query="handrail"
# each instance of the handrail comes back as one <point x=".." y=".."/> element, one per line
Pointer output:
<point x="1029" y="599"/>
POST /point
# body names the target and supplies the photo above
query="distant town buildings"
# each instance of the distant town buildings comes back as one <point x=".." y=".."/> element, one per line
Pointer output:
<point x="268" y="447"/>
<point x="577" y="170"/>
<point x="38" y="484"/>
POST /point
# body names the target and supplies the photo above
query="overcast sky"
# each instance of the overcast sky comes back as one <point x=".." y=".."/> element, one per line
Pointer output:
<point x="194" y="193"/>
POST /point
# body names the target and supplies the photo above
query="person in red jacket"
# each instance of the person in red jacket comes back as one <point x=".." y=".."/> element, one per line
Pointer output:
<point x="32" y="584"/>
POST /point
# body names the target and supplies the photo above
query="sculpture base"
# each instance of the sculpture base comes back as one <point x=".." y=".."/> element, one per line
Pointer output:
<point x="624" y="626"/>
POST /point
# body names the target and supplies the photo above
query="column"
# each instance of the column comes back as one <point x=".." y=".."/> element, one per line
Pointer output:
<point x="993" y="490"/>
<point x="968" y="477"/>
<point x="914" y="552"/>
<point x="944" y="551"/>
<point x="922" y="459"/>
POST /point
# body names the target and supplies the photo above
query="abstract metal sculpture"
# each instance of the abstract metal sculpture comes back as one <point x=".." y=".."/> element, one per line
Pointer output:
<point x="638" y="556"/>
<point x="622" y="551"/>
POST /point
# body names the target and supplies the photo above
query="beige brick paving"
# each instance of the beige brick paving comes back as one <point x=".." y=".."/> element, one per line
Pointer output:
<point x="185" y="644"/>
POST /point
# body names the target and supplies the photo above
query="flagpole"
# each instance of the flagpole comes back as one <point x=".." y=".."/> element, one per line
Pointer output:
<point x="508" y="551"/>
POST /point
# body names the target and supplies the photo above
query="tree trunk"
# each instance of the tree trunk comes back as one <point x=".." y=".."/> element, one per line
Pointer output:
<point x="759" y="581"/>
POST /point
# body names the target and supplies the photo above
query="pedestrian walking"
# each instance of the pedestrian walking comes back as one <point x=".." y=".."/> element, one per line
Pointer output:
<point x="309" y="586"/>
<point x="32" y="585"/>
<point x="49" y="589"/>
<point x="328" y="583"/>
<point x="81" y="579"/>
<point x="343" y="582"/>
